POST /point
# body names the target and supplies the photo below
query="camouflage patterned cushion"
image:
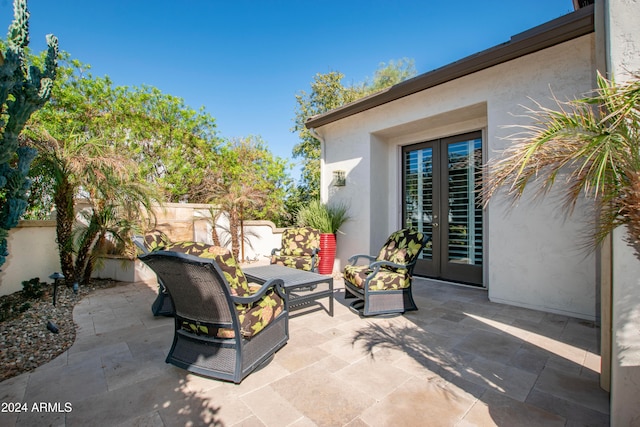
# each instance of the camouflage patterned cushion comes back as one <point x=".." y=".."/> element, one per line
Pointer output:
<point x="300" y="263"/>
<point x="225" y="260"/>
<point x="402" y="247"/>
<point x="298" y="248"/>
<point x="300" y="241"/>
<point x="253" y="317"/>
<point x="155" y="240"/>
<point x="384" y="280"/>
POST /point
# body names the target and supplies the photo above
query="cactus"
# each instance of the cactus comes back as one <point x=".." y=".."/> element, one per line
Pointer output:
<point x="23" y="90"/>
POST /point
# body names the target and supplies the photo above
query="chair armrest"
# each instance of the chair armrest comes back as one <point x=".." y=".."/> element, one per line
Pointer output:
<point x="314" y="257"/>
<point x="274" y="250"/>
<point x="375" y="267"/>
<point x="384" y="263"/>
<point x="355" y="258"/>
<point x="278" y="284"/>
<point x="140" y="243"/>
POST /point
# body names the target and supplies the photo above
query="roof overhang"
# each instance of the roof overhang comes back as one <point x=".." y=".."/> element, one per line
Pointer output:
<point x="557" y="31"/>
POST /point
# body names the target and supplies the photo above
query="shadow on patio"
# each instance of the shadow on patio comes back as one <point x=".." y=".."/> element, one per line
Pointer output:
<point x="459" y="360"/>
<point x="525" y="367"/>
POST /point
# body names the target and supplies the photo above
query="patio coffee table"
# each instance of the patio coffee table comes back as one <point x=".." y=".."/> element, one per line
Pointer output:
<point x="301" y="287"/>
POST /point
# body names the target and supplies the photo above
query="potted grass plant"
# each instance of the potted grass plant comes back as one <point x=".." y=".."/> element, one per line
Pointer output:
<point x="326" y="218"/>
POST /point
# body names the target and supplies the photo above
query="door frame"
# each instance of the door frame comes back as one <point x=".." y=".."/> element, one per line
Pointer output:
<point x="439" y="267"/>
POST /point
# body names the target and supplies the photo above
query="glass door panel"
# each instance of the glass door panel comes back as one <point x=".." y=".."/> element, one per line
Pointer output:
<point x="418" y="211"/>
<point x="463" y="170"/>
<point x="465" y="215"/>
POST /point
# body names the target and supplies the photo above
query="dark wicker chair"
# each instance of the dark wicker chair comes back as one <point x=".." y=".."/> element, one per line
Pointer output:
<point x="224" y="328"/>
<point x="383" y="286"/>
<point x="154" y="240"/>
<point x="300" y="248"/>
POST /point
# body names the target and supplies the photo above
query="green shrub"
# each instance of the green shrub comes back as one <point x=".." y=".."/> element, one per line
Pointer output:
<point x="33" y="289"/>
<point x="5" y="310"/>
<point x="323" y="217"/>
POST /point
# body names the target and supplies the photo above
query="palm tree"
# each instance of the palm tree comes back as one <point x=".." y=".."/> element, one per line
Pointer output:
<point x="593" y="143"/>
<point x="108" y="181"/>
<point x="233" y="198"/>
<point x="243" y="181"/>
<point x="119" y="205"/>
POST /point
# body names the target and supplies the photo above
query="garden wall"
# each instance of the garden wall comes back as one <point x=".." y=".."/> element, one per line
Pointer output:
<point x="33" y="251"/>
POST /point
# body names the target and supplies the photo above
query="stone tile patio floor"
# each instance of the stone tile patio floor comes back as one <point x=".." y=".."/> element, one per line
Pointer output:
<point x="458" y="361"/>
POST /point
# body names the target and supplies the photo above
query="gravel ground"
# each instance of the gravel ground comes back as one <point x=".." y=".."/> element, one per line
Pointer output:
<point x="25" y="341"/>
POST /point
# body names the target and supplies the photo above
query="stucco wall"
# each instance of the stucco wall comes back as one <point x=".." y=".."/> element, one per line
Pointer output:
<point x="349" y="153"/>
<point x="192" y="221"/>
<point x="532" y="255"/>
<point x="536" y="255"/>
<point x="622" y="20"/>
<point x="33" y="251"/>
<point x="260" y="238"/>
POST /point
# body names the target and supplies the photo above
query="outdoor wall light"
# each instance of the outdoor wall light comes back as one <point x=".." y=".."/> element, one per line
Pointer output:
<point x="339" y="178"/>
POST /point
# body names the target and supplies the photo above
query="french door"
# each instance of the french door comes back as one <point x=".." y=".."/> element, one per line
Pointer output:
<point x="441" y="179"/>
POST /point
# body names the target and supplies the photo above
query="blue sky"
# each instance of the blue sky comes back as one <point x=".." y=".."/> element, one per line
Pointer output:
<point x="245" y="61"/>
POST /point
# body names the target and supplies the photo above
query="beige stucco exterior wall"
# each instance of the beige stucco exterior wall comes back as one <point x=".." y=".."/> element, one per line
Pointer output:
<point x="622" y="24"/>
<point x="532" y="255"/>
<point x="33" y="252"/>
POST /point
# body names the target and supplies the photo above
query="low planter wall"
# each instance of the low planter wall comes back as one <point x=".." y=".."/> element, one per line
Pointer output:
<point x="122" y="269"/>
<point x="33" y="251"/>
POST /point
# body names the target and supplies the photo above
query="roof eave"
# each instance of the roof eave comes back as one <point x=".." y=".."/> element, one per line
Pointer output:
<point x="560" y="30"/>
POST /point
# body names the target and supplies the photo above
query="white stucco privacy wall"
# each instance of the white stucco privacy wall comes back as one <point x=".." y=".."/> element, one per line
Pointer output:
<point x="622" y="20"/>
<point x="531" y="253"/>
<point x="33" y="252"/>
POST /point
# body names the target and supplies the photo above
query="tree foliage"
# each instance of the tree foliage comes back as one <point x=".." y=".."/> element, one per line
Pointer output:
<point x="83" y="165"/>
<point x="116" y="145"/>
<point x="390" y="74"/>
<point x="112" y="146"/>
<point x="327" y="93"/>
<point x="122" y="147"/>
<point x="171" y="142"/>
<point x="246" y="181"/>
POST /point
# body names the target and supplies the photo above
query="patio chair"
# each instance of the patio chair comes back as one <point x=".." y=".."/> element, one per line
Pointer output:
<point x="151" y="241"/>
<point x="225" y="328"/>
<point x="300" y="248"/>
<point x="155" y="240"/>
<point x="383" y="286"/>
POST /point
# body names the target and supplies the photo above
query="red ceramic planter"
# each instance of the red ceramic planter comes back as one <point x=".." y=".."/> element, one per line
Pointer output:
<point x="327" y="253"/>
